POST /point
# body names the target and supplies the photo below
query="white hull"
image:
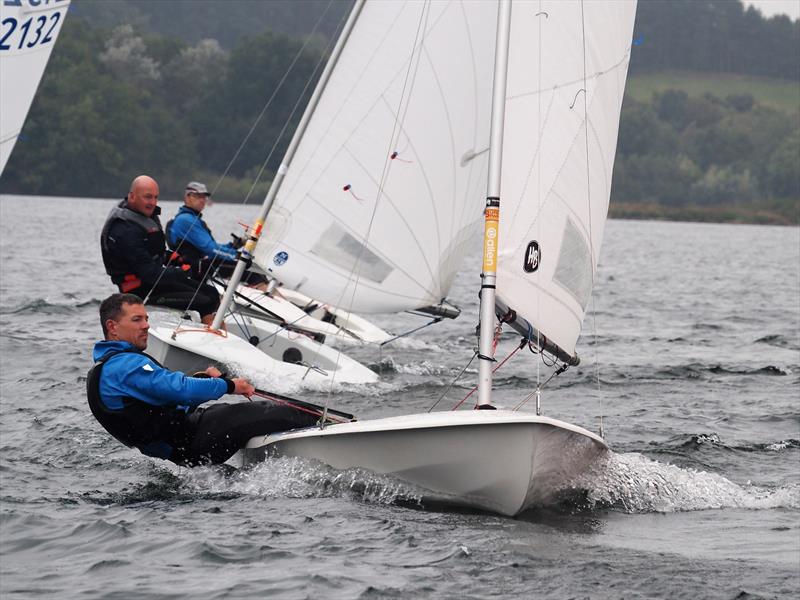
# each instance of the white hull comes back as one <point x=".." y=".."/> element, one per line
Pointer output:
<point x="355" y="325"/>
<point x="501" y="461"/>
<point x="255" y="302"/>
<point x="191" y="348"/>
<point x="290" y="346"/>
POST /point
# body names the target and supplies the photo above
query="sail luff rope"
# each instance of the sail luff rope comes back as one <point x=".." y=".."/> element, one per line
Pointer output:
<point x="589" y="206"/>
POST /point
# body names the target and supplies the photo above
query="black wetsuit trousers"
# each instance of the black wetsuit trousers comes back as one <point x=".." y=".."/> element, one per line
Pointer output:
<point x="219" y="430"/>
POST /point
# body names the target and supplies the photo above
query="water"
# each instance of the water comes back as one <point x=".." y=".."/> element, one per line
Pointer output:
<point x="698" y="347"/>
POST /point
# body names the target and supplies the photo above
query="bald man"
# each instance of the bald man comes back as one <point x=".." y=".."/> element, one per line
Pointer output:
<point x="133" y="247"/>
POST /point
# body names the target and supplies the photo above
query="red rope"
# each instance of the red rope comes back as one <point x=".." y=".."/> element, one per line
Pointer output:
<point x="473" y="390"/>
<point x="310" y="411"/>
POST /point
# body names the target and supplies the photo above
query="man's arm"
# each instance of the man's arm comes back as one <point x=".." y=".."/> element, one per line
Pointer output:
<point x="198" y="237"/>
<point x="146" y="381"/>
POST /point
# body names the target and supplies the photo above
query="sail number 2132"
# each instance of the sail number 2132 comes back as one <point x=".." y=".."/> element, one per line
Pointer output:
<point x="36" y="30"/>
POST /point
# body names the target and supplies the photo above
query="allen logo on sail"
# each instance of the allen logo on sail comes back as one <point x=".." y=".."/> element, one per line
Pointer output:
<point x="532" y="257"/>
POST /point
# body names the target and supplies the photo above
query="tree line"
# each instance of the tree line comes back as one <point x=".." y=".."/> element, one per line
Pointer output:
<point x="721" y="36"/>
<point x="120" y="101"/>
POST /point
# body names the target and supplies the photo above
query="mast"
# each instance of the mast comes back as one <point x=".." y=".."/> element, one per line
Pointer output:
<point x="492" y="213"/>
<point x="246" y="255"/>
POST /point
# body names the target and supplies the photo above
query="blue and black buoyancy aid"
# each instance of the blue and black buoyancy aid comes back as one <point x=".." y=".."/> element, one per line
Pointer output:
<point x="157" y="431"/>
<point x="189" y="253"/>
<point x="117" y="264"/>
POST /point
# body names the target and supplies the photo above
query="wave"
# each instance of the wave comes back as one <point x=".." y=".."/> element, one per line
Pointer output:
<point x="633" y="483"/>
<point x="292" y="477"/>
<point x="629" y="482"/>
<point x="712" y="440"/>
<point x="779" y="340"/>
<point x="42" y="306"/>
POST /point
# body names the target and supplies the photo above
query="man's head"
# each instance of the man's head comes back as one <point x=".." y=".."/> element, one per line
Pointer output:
<point x="196" y="195"/>
<point x="124" y="319"/>
<point x="143" y="196"/>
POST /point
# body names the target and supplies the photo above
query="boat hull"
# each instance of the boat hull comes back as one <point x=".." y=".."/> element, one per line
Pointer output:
<point x="191" y="348"/>
<point x="500" y="461"/>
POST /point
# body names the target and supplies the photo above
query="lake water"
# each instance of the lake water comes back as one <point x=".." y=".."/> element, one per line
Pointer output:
<point x="698" y="354"/>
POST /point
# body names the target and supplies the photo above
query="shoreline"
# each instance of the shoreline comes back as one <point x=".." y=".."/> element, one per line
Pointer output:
<point x="724" y="213"/>
<point x="628" y="211"/>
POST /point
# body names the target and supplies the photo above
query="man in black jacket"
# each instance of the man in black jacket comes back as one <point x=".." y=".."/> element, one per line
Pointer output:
<point x="133" y="249"/>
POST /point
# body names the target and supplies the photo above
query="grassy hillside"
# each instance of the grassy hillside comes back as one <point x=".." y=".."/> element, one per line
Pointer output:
<point x="780" y="94"/>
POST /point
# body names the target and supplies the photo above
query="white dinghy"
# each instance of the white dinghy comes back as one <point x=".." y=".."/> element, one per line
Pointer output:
<point x="558" y="76"/>
<point x="251" y="347"/>
<point x="27" y="36"/>
<point x="278" y="307"/>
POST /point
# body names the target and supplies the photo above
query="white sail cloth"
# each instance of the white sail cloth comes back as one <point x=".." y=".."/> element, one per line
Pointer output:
<point x="28" y="32"/>
<point x="387" y="185"/>
<point x="568" y="62"/>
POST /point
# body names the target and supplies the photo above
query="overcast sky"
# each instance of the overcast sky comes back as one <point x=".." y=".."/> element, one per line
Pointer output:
<point x="775" y="7"/>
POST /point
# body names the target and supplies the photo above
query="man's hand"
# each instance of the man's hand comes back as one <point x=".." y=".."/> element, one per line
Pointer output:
<point x="238" y="242"/>
<point x="243" y="387"/>
<point x="213" y="372"/>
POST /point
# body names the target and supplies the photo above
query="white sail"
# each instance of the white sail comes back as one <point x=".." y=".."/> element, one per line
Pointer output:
<point x="28" y="32"/>
<point x="414" y="79"/>
<point x="567" y="69"/>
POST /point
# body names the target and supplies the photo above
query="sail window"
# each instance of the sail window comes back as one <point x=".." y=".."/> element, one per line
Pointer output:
<point x="338" y="247"/>
<point x="574" y="267"/>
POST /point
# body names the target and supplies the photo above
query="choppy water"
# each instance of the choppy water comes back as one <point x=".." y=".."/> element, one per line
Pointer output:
<point x="698" y="330"/>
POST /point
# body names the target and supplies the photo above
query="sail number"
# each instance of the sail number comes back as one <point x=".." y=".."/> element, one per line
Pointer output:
<point x="32" y="3"/>
<point x="28" y="33"/>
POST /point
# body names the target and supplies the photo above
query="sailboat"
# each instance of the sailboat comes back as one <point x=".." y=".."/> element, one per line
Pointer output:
<point x="558" y="76"/>
<point x="28" y="31"/>
<point x="329" y="199"/>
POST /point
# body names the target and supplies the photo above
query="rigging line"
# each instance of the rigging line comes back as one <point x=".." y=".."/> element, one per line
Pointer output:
<point x="539" y="190"/>
<point x="539" y="388"/>
<point x="397" y="337"/>
<point x="452" y="383"/>
<point x="278" y="87"/>
<point x="589" y="203"/>
<point x="355" y="273"/>
<point x="289" y="193"/>
<point x="319" y="66"/>
<point x="500" y="364"/>
<point x="274" y="318"/>
<point x="263" y="166"/>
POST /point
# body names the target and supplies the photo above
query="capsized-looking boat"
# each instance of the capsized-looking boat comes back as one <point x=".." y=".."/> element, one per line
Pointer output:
<point x="558" y="74"/>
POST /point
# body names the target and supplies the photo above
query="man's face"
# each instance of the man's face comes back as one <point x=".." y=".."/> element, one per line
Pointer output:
<point x="143" y="198"/>
<point x="131" y="326"/>
<point x="195" y="201"/>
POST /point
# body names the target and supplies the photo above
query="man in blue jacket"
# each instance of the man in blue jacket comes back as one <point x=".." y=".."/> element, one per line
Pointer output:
<point x="190" y="237"/>
<point x="159" y="411"/>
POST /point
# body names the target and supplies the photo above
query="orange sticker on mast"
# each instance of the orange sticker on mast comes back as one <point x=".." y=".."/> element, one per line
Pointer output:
<point x="490" y="238"/>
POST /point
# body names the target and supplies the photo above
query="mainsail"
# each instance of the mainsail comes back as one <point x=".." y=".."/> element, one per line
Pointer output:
<point x="568" y="62"/>
<point x="386" y="188"/>
<point x="28" y="32"/>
